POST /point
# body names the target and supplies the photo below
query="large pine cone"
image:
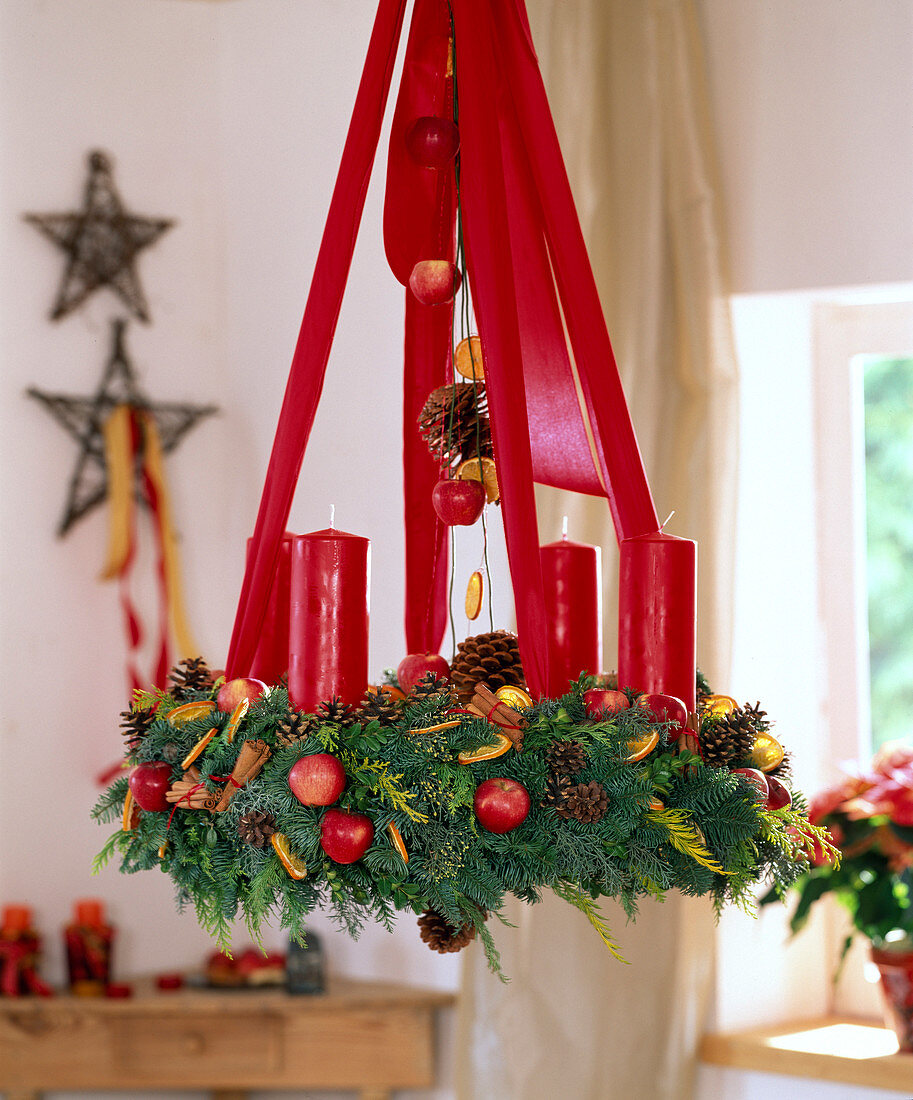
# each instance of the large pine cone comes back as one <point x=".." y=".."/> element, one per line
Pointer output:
<point x="587" y="802"/>
<point x="492" y="659"/>
<point x="441" y="936"/>
<point x="568" y="757"/>
<point x="256" y="827"/>
<point x="454" y="423"/>
<point x="190" y="676"/>
<point x="728" y="739"/>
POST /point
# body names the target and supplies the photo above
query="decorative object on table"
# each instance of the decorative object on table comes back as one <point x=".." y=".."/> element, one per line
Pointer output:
<point x="89" y="940"/>
<point x="123" y="438"/>
<point x="490" y="777"/>
<point x="101" y="242"/>
<point x="869" y="817"/>
<point x="19" y="953"/>
<point x="305" y="965"/>
<point x="250" y="969"/>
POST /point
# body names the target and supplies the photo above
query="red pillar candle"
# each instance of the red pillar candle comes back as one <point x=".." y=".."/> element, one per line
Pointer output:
<point x="270" y="661"/>
<point x="657" y="615"/>
<point x="328" y="618"/>
<point x="572" y="580"/>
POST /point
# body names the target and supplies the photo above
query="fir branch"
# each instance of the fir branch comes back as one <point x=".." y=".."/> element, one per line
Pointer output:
<point x="573" y="895"/>
<point x="492" y="954"/>
<point x="684" y="838"/>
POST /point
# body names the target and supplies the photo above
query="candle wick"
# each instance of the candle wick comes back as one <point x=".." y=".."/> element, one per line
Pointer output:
<point x="666" y="520"/>
<point x="564" y="529"/>
<point x="332" y="517"/>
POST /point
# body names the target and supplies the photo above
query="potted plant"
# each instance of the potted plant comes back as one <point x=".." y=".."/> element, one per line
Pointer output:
<point x="869" y="816"/>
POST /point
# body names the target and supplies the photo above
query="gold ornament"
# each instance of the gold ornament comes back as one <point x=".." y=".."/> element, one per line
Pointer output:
<point x="767" y="753"/>
<point x="467" y="359"/>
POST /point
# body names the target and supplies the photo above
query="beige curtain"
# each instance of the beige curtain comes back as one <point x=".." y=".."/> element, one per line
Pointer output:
<point x="626" y="85"/>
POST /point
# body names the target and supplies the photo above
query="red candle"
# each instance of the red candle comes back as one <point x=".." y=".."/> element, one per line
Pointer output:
<point x="328" y="620"/>
<point x="657" y="615"/>
<point x="270" y="662"/>
<point x="572" y="579"/>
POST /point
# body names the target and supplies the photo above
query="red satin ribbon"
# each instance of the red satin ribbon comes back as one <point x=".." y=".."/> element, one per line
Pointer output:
<point x="316" y="335"/>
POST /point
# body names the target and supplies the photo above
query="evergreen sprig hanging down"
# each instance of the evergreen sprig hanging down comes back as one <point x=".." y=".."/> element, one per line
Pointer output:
<point x="422" y="803"/>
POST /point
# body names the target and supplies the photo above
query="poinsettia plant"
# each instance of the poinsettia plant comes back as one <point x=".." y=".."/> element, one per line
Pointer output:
<point x="869" y="816"/>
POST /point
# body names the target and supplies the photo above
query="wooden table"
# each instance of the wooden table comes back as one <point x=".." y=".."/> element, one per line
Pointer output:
<point x="366" y="1037"/>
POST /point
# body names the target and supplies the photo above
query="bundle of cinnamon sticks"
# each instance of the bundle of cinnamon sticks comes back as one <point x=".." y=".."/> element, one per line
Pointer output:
<point x="191" y="793"/>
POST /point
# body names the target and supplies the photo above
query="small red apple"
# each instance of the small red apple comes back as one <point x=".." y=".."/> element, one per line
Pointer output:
<point x="236" y="691"/>
<point x="432" y="142"/>
<point x="317" y="780"/>
<point x="149" y="784"/>
<point x="667" y="708"/>
<point x="757" y="779"/>
<point x="778" y="794"/>
<point x="458" y="503"/>
<point x="501" y="804"/>
<point x="345" y="836"/>
<point x="604" y="701"/>
<point x="414" y="666"/>
<point x="434" y="282"/>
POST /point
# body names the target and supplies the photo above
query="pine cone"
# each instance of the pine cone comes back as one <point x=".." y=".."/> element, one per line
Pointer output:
<point x="190" y="676"/>
<point x="492" y="659"/>
<point x="441" y="936"/>
<point x="566" y="756"/>
<point x="378" y="706"/>
<point x="256" y="827"/>
<point x="757" y="717"/>
<point x="732" y="735"/>
<point x="454" y="423"/>
<point x="294" y="726"/>
<point x="557" y="787"/>
<point x="716" y="749"/>
<point x="135" y="725"/>
<point x="430" y="684"/>
<point x="587" y="802"/>
<point x="336" y="711"/>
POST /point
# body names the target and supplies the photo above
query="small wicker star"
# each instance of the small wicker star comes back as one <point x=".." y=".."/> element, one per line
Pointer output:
<point x="84" y="418"/>
<point x="101" y="242"/>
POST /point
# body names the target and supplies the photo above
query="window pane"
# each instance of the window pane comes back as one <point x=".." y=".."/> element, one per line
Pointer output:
<point x="888" y="404"/>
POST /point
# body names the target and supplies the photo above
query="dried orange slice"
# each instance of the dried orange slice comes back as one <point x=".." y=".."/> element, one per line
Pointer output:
<point x="474" y="592"/>
<point x="440" y="726"/>
<point x="484" y="470"/>
<point x="163" y="848"/>
<point x="290" y="862"/>
<point x="642" y="747"/>
<point x="467" y="359"/>
<point x="393" y="692"/>
<point x="190" y="712"/>
<point x="487" y="752"/>
<point x="236" y="715"/>
<point x="766" y="753"/>
<point x="398" y="843"/>
<point x="198" y="748"/>
<point x="131" y="815"/>
<point x="514" y="697"/>
<point x="715" y="706"/>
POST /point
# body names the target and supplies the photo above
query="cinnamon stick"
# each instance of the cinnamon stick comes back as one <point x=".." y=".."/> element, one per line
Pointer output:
<point x="250" y="762"/>
<point x="487" y="705"/>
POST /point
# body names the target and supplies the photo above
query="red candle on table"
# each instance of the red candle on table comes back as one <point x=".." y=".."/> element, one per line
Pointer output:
<point x="270" y="662"/>
<point x="572" y="580"/>
<point x="657" y="613"/>
<point x="328" y="618"/>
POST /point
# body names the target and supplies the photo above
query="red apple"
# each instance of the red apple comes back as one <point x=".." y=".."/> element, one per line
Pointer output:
<point x="434" y="282"/>
<point x="757" y="779"/>
<point x="345" y="836"/>
<point x="236" y="691"/>
<point x="414" y="666"/>
<point x="458" y="503"/>
<point x="778" y="795"/>
<point x="604" y="701"/>
<point x="432" y="142"/>
<point x="317" y="780"/>
<point x="149" y="784"/>
<point x="501" y="804"/>
<point x="667" y="708"/>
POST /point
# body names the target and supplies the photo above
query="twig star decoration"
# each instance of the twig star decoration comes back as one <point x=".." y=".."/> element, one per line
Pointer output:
<point x="101" y="242"/>
<point x="85" y="418"/>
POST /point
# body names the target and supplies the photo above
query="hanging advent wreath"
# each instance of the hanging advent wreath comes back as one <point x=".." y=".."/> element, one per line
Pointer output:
<point x="290" y="785"/>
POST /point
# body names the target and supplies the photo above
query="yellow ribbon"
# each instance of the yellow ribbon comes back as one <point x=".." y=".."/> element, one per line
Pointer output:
<point x="117" y="434"/>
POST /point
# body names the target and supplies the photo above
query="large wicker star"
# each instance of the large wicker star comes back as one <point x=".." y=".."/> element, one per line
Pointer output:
<point x="102" y="242"/>
<point x="84" y="419"/>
